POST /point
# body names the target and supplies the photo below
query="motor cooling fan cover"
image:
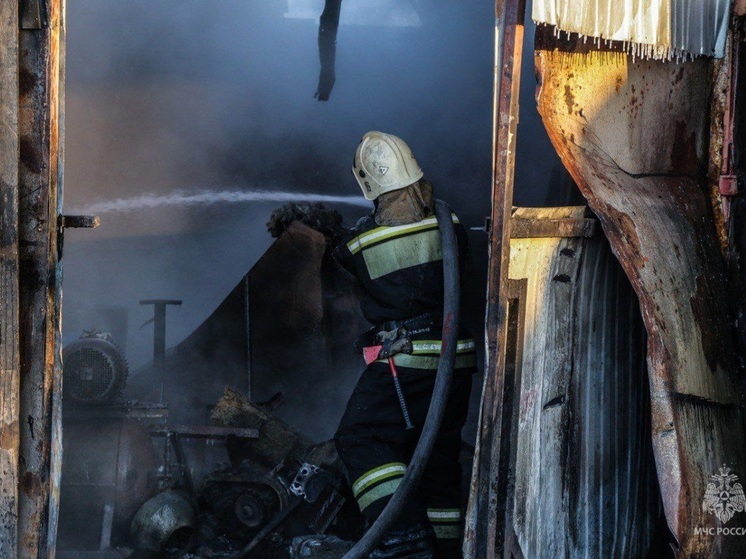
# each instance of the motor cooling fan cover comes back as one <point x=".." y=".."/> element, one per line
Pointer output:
<point x="95" y="371"/>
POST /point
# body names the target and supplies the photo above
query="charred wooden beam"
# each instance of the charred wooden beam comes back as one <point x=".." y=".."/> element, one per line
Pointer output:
<point x="328" y="25"/>
<point x="633" y="134"/>
<point x="41" y="67"/>
<point x="9" y="342"/>
<point x="485" y="515"/>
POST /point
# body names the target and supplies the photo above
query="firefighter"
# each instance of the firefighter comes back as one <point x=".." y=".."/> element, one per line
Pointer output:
<point x="396" y="256"/>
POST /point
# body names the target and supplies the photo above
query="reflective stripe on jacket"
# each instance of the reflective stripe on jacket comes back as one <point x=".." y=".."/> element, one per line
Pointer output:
<point x="400" y="267"/>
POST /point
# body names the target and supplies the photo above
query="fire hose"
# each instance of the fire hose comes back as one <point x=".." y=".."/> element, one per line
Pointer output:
<point x="440" y="391"/>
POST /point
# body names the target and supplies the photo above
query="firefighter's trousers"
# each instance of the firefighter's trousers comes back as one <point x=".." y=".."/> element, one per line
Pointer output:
<point x="375" y="447"/>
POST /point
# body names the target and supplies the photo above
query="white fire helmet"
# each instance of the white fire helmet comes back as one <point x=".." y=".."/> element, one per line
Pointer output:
<point x="384" y="162"/>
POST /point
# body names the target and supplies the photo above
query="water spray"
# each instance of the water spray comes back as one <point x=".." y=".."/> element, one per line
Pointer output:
<point x="205" y="198"/>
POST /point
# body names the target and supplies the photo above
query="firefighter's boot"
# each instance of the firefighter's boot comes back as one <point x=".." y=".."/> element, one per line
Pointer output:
<point x="319" y="547"/>
<point x="417" y="542"/>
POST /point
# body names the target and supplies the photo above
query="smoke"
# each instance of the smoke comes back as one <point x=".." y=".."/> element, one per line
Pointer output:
<point x="161" y="96"/>
<point x="204" y="198"/>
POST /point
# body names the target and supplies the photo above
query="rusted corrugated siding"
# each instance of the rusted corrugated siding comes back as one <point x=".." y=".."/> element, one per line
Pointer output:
<point x="584" y="482"/>
<point x="655" y="28"/>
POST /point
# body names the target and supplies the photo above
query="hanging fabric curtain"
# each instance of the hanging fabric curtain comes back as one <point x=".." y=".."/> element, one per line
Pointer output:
<point x="661" y="29"/>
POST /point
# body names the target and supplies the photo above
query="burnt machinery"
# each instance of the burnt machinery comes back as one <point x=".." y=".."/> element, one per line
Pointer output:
<point x="129" y="498"/>
<point x="261" y="513"/>
<point x="110" y="468"/>
<point x="95" y="369"/>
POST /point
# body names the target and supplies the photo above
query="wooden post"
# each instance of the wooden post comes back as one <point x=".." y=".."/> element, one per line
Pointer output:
<point x="41" y="66"/>
<point x="485" y="519"/>
<point x="9" y="351"/>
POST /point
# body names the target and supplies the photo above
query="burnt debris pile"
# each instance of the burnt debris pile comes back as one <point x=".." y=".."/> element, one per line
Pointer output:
<point x="221" y="447"/>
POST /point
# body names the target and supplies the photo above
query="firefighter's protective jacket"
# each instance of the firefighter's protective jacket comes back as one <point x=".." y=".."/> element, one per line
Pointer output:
<point x="400" y="267"/>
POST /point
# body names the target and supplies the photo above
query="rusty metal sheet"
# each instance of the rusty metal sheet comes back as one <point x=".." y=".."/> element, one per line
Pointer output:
<point x="584" y="477"/>
<point x="107" y="462"/>
<point x="606" y="115"/>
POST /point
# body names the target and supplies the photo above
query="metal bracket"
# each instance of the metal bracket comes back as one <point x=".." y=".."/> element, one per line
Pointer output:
<point x="728" y="188"/>
<point x="298" y="487"/>
<point x="728" y="185"/>
<point x="79" y="221"/>
<point x="70" y="222"/>
<point x="34" y="14"/>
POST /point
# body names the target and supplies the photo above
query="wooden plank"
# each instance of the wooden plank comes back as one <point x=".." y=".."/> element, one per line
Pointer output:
<point x="517" y="298"/>
<point x="39" y="182"/>
<point x="554" y="228"/>
<point x="555" y="222"/>
<point x="9" y="355"/>
<point x="550" y="267"/>
<point x="53" y="258"/>
<point x="485" y="513"/>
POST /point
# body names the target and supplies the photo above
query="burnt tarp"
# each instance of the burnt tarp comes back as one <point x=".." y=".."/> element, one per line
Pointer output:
<point x="288" y="326"/>
<point x="633" y="133"/>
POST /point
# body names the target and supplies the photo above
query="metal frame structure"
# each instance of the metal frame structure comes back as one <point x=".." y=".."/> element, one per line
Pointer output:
<point x="485" y="519"/>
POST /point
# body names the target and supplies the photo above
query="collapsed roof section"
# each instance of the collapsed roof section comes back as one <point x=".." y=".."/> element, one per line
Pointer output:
<point x="659" y="29"/>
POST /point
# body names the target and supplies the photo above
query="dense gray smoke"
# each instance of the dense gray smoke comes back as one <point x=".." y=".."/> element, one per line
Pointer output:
<point x="164" y="95"/>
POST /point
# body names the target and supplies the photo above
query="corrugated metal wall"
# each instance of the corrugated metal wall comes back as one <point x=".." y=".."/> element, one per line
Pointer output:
<point x="655" y="28"/>
<point x="582" y="479"/>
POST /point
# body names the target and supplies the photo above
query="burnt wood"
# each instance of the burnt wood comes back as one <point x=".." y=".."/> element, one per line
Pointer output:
<point x="41" y="66"/>
<point x="9" y="340"/>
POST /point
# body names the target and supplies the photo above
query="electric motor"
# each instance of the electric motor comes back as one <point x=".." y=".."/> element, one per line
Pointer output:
<point x="95" y="370"/>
